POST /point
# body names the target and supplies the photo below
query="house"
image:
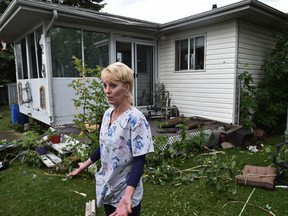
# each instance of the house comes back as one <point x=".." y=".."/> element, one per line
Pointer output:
<point x="198" y="57"/>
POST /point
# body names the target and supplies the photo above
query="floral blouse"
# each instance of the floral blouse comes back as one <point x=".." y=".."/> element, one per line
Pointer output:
<point x="127" y="137"/>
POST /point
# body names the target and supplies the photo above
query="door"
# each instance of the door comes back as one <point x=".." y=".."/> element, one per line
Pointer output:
<point x="140" y="58"/>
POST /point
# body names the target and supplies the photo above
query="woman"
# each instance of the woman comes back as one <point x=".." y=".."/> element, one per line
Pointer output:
<point x="125" y="139"/>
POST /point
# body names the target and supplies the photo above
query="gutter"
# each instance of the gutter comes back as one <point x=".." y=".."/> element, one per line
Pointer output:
<point x="8" y="10"/>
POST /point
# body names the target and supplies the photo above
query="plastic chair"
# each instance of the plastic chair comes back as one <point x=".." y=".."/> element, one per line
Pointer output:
<point x="280" y="159"/>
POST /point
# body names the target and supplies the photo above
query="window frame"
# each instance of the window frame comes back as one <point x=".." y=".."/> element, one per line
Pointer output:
<point x="27" y="56"/>
<point x="84" y="56"/>
<point x="181" y="57"/>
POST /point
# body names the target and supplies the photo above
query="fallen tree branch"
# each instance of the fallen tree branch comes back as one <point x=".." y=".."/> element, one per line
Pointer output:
<point x="259" y="207"/>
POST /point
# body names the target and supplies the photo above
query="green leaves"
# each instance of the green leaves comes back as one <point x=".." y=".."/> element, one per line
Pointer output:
<point x="162" y="165"/>
<point x="89" y="100"/>
<point x="220" y="171"/>
<point x="272" y="93"/>
<point x="30" y="138"/>
<point x="247" y="98"/>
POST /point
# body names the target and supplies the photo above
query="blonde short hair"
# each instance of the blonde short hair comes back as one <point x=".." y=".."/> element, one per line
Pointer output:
<point x="119" y="71"/>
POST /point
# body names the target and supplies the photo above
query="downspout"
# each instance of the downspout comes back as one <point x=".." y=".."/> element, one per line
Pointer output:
<point x="48" y="67"/>
<point x="237" y="90"/>
<point x="55" y="16"/>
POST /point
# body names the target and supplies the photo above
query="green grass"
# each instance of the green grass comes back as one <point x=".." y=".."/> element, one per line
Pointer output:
<point x="199" y="198"/>
<point x="5" y="118"/>
<point x="31" y="191"/>
<point x="40" y="191"/>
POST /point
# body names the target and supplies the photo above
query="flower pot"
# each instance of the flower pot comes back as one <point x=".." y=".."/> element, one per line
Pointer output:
<point x="41" y="150"/>
<point x="55" y="139"/>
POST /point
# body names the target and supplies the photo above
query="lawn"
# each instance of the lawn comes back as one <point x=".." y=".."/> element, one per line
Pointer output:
<point x="41" y="191"/>
<point x="5" y="118"/>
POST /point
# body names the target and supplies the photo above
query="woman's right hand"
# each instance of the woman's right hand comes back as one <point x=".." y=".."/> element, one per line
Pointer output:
<point x="78" y="170"/>
<point x="82" y="166"/>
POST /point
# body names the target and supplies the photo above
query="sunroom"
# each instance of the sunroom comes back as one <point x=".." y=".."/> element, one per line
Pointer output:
<point x="44" y="54"/>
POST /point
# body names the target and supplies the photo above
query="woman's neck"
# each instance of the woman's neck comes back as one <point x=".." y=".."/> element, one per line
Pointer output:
<point x="121" y="108"/>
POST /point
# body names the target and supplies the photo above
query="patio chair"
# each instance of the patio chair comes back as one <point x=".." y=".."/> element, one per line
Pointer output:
<point x="162" y="103"/>
<point x="158" y="98"/>
<point x="167" y="110"/>
<point x="280" y="159"/>
<point x="155" y="104"/>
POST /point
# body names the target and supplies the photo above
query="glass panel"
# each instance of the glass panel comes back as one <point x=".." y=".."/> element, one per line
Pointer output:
<point x="144" y="78"/>
<point x="96" y="49"/>
<point x="32" y="56"/>
<point x="177" y="55"/>
<point x="181" y="55"/>
<point x="19" y="60"/>
<point x="124" y="53"/>
<point x="65" y="43"/>
<point x="24" y="58"/>
<point x="192" y="56"/>
<point x="39" y="51"/>
<point x="199" y="53"/>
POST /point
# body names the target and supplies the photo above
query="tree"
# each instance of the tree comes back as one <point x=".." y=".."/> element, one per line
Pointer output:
<point x="7" y="63"/>
<point x="272" y="92"/>
<point x="88" y="4"/>
<point x="7" y="66"/>
<point x="3" y="5"/>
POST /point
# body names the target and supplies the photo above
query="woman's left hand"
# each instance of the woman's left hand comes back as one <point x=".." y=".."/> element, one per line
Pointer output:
<point x="124" y="207"/>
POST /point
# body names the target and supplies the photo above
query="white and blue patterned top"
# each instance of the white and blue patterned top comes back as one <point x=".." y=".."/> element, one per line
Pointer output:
<point x="127" y="137"/>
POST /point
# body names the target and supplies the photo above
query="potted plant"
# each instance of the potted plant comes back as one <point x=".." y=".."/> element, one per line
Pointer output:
<point x="55" y="136"/>
<point x="32" y="139"/>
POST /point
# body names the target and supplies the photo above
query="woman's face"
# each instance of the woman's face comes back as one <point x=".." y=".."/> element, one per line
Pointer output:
<point x="116" y="91"/>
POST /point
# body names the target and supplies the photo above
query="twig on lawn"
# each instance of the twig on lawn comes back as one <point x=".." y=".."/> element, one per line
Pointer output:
<point x="82" y="194"/>
<point x="247" y="201"/>
<point x="193" y="168"/>
<point x="21" y="153"/>
<point x="259" y="207"/>
<point x="52" y="174"/>
<point x="212" y="153"/>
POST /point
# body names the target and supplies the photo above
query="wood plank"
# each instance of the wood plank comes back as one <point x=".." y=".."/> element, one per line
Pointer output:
<point x="90" y="208"/>
<point x="47" y="161"/>
<point x="53" y="158"/>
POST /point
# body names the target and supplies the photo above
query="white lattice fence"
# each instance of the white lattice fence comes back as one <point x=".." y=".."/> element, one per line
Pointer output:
<point x="208" y="133"/>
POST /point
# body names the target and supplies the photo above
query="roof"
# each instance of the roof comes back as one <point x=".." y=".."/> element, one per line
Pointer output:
<point x="22" y="15"/>
<point x="251" y="11"/>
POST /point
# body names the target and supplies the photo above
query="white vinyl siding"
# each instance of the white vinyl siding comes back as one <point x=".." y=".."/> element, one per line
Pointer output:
<point x="254" y="45"/>
<point x="209" y="93"/>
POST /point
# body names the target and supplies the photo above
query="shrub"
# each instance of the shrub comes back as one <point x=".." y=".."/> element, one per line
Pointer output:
<point x="272" y="92"/>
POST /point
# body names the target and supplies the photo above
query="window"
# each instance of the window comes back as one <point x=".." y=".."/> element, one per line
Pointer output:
<point x="192" y="47"/>
<point x="32" y="56"/>
<point x="96" y="49"/>
<point x="21" y="58"/>
<point x="65" y="43"/>
<point x="68" y="42"/>
<point x="30" y="51"/>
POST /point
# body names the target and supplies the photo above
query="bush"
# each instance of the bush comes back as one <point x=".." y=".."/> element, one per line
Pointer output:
<point x="272" y="92"/>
